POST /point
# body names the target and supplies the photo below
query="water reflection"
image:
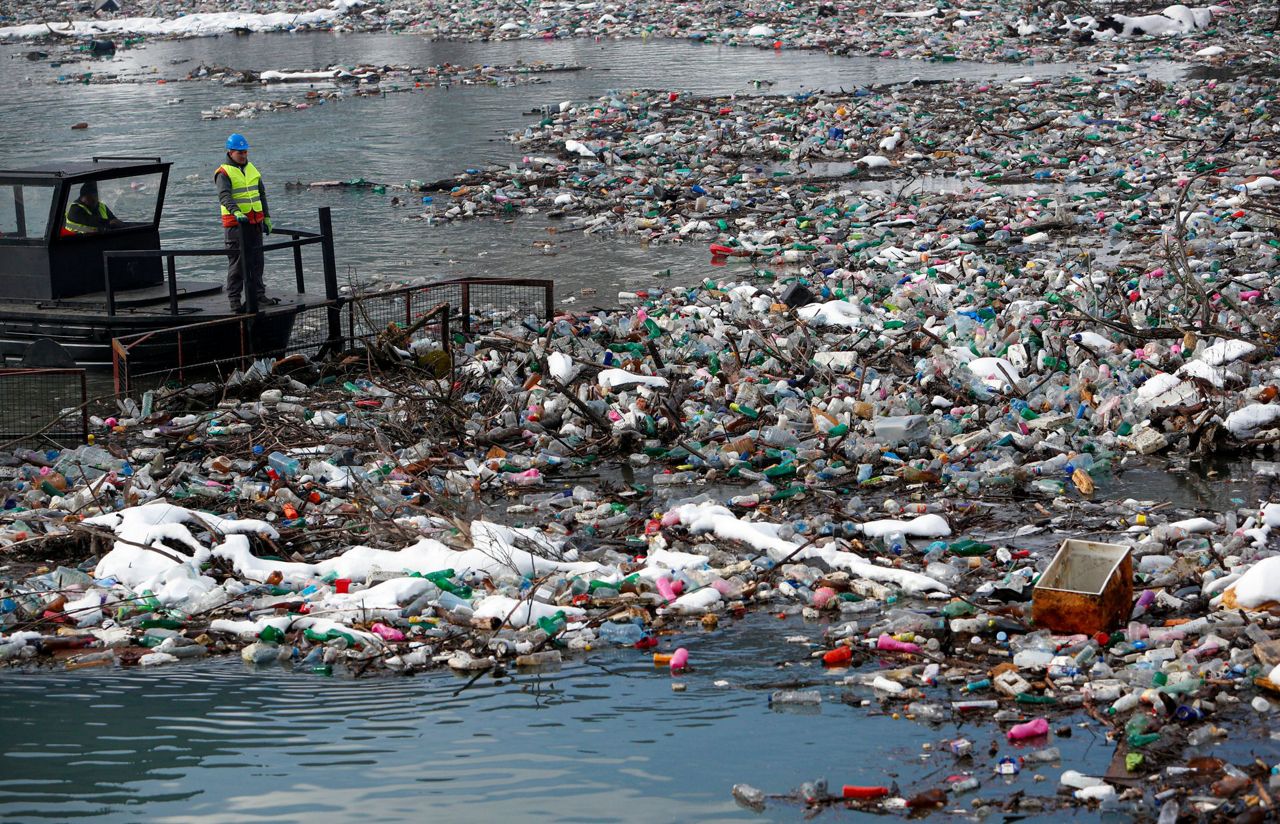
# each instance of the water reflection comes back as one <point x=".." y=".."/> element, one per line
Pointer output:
<point x="217" y="740"/>
<point x="604" y="739"/>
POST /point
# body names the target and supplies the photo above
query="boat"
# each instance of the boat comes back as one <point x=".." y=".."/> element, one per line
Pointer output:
<point x="67" y="295"/>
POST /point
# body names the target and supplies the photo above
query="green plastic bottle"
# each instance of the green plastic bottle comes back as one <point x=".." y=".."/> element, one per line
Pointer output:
<point x="553" y="625"/>
<point x="271" y="635"/>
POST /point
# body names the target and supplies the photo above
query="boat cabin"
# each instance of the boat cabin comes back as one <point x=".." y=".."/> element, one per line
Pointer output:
<point x="47" y="254"/>
<point x="63" y="224"/>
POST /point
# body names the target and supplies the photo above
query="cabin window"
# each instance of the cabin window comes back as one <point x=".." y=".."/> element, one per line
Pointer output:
<point x="24" y="212"/>
<point x="130" y="201"/>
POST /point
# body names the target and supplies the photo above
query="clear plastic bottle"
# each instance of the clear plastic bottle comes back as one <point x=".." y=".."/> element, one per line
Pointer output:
<point x="795" y="697"/>
<point x="926" y="712"/>
<point x="624" y="635"/>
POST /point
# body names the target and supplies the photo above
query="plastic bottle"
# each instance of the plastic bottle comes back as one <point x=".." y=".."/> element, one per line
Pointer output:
<point x="748" y="796"/>
<point x="1126" y="702"/>
<point x="623" y="635"/>
<point x="271" y="635"/>
<point x="1136" y="734"/>
<point x="283" y="465"/>
<point x="1031" y="729"/>
<point x="417" y="605"/>
<point x="861" y="792"/>
<point x="887" y="685"/>
<point x="926" y="712"/>
<point x="812" y="792"/>
<point x="887" y="643"/>
<point x="387" y="633"/>
<point x="667" y="588"/>
<point x="1044" y="756"/>
<point x="969" y="626"/>
<point x="552" y="625"/>
<point x="451" y="602"/>
<point x="1079" y="781"/>
<point x="971" y="706"/>
<point x="1203" y="735"/>
<point x="529" y="477"/>
<point x="795" y="697"/>
<point x="543" y="658"/>
<point x="838" y="657"/>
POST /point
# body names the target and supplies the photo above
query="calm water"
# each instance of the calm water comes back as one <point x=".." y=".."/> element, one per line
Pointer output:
<point x="604" y="739"/>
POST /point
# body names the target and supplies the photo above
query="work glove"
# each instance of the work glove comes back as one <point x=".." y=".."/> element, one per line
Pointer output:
<point x="242" y="218"/>
<point x="266" y="225"/>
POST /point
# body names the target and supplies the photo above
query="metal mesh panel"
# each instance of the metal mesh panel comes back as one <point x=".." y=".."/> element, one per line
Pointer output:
<point x="476" y="303"/>
<point x="40" y="407"/>
<point x="369" y="316"/>
<point x="140" y="380"/>
<point x="310" y="331"/>
<point x="181" y="354"/>
<point x="487" y="302"/>
<point x="213" y="349"/>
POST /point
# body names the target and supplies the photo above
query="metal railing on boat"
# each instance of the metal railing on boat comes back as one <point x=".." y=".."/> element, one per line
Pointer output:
<point x="299" y="239"/>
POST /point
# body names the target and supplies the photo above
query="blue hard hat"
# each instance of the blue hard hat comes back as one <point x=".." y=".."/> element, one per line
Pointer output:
<point x="237" y="143"/>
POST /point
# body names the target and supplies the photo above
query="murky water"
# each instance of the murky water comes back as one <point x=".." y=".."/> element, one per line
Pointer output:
<point x="604" y="739"/>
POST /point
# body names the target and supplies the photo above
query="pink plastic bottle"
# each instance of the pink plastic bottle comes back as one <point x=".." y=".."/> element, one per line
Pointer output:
<point x="386" y="633"/>
<point x="1032" y="729"/>
<point x="888" y="643"/>
<point x="664" y="588"/>
<point x="530" y="477"/>
<point x="679" y="659"/>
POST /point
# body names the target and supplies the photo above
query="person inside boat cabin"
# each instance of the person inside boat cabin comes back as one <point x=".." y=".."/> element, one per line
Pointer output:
<point x="87" y="215"/>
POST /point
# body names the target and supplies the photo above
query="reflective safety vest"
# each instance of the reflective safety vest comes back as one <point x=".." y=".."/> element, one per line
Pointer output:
<point x="75" y="227"/>
<point x="244" y="188"/>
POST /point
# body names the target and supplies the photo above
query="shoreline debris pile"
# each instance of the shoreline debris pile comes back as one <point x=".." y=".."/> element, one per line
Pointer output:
<point x="1004" y="33"/>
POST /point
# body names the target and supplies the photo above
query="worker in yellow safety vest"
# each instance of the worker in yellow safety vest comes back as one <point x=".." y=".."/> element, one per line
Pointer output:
<point x="243" y="199"/>
<point x="87" y="215"/>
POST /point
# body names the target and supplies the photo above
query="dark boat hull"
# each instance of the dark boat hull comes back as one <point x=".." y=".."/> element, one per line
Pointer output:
<point x="203" y="336"/>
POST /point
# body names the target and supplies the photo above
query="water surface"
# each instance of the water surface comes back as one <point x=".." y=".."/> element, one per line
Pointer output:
<point x="605" y="739"/>
<point x="426" y="135"/>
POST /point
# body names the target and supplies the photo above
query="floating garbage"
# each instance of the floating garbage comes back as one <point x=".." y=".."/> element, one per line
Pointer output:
<point x="1000" y="33"/>
<point x="874" y="422"/>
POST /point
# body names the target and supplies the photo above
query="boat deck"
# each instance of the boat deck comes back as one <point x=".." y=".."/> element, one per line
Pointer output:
<point x="197" y="300"/>
<point x="82" y="326"/>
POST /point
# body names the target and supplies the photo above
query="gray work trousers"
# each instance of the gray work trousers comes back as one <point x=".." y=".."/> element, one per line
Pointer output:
<point x="253" y="248"/>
